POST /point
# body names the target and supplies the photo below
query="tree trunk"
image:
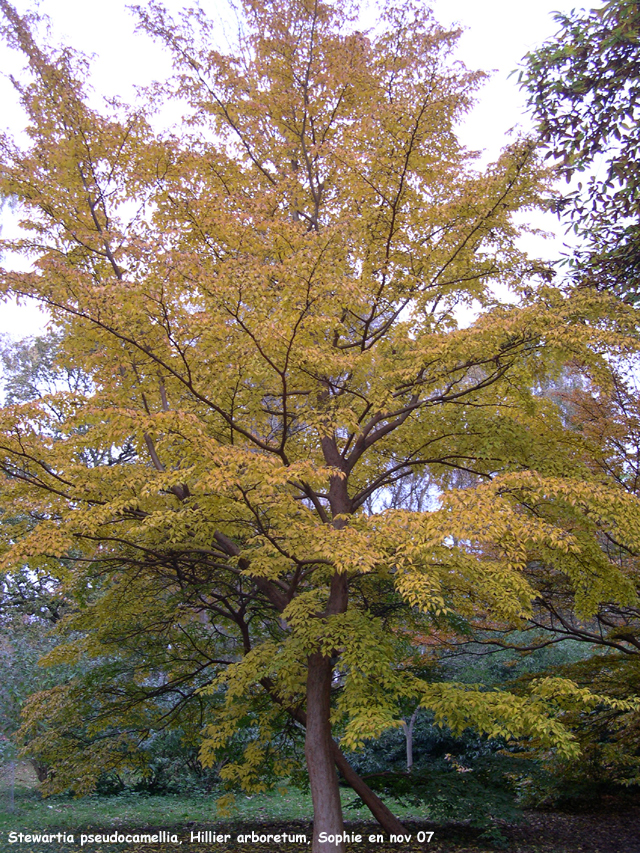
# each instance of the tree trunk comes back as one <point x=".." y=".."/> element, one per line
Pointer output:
<point x="408" y="733"/>
<point x="327" y="809"/>
<point x="11" y="805"/>
<point x="42" y="771"/>
<point x="387" y="820"/>
<point x="380" y="812"/>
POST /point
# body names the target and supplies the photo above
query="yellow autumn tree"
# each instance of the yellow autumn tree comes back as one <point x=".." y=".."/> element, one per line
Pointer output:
<point x="264" y="304"/>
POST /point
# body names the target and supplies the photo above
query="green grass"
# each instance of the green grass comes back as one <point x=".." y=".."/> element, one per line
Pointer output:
<point x="142" y="810"/>
<point x="65" y="813"/>
<point x="284" y="810"/>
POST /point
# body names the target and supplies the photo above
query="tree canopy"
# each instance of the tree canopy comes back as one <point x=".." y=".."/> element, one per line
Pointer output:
<point x="264" y="307"/>
<point x="584" y="88"/>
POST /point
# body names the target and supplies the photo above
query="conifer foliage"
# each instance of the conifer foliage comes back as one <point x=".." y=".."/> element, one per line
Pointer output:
<point x="263" y="306"/>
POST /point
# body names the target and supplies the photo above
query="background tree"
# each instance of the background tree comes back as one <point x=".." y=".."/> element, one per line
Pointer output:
<point x="596" y="645"/>
<point x="584" y="89"/>
<point x="264" y="306"/>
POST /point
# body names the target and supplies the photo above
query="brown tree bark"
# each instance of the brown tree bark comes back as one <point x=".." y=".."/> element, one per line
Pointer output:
<point x="387" y="820"/>
<point x="42" y="771"/>
<point x="380" y="812"/>
<point x="325" y="793"/>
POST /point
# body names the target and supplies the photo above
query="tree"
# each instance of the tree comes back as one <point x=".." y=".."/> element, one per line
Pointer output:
<point x="264" y="306"/>
<point x="30" y="371"/>
<point x="604" y="422"/>
<point x="584" y="89"/>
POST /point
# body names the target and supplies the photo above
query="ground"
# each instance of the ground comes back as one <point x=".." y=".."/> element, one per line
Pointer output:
<point x="613" y="826"/>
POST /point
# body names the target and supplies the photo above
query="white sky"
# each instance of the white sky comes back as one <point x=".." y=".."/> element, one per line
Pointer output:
<point x="497" y="35"/>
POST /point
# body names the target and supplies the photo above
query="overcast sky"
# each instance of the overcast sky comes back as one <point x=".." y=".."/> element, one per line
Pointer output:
<point x="497" y="35"/>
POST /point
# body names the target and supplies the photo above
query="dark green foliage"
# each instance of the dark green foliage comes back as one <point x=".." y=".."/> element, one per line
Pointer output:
<point x="465" y="779"/>
<point x="172" y="767"/>
<point x="609" y="739"/>
<point x="480" y="797"/>
<point x="584" y="89"/>
<point x="23" y="641"/>
<point x="480" y="782"/>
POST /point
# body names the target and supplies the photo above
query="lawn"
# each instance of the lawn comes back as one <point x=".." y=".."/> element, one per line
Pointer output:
<point x="169" y="810"/>
<point x="285" y="811"/>
<point x="192" y="824"/>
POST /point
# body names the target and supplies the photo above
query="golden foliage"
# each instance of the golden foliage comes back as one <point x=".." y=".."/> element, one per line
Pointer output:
<point x="265" y="306"/>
